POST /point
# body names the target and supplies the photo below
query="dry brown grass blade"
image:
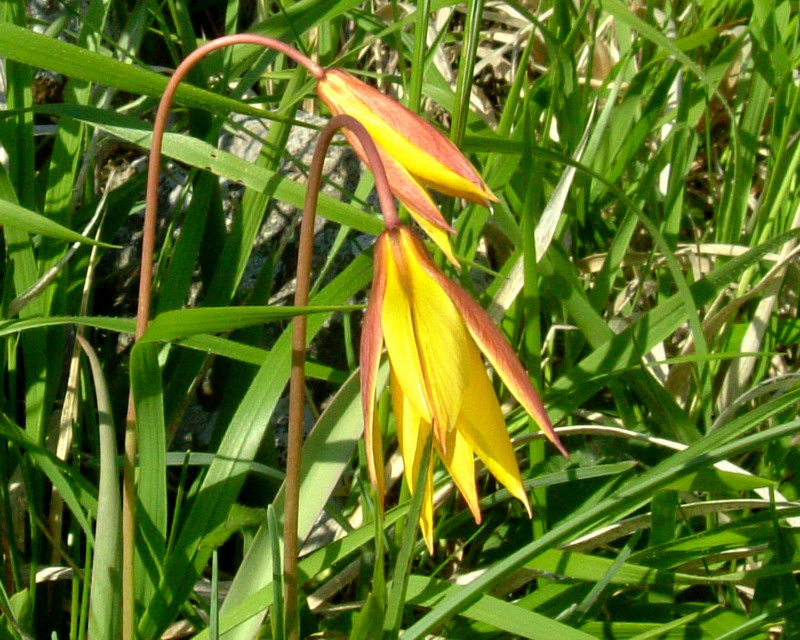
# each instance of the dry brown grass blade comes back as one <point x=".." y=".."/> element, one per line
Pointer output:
<point x="69" y="410"/>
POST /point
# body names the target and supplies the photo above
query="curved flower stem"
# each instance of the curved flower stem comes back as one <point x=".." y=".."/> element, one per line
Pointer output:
<point x="145" y="286"/>
<point x="297" y="380"/>
<point x="159" y="126"/>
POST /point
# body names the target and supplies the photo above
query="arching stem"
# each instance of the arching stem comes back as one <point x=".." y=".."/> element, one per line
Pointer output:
<point x="145" y="286"/>
<point x="298" y="380"/>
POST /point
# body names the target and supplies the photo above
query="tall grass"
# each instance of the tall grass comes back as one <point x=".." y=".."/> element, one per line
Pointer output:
<point x="642" y="260"/>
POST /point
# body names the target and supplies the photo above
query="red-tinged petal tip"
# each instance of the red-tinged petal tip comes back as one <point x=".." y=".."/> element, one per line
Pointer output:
<point x="370" y="357"/>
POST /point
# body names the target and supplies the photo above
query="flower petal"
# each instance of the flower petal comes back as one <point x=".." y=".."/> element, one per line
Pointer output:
<point x="370" y="359"/>
<point x="404" y="186"/>
<point x="413" y="141"/>
<point x="493" y="345"/>
<point x="412" y="435"/>
<point x="400" y="336"/>
<point x="432" y="326"/>
<point x="459" y="459"/>
<point x="482" y="425"/>
<point x="414" y="196"/>
<point x="439" y="237"/>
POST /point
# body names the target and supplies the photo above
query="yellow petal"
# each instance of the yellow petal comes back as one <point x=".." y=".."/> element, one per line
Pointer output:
<point x="425" y="336"/>
<point x="413" y="141"/>
<point x="483" y="427"/>
<point x="440" y="238"/>
<point x="400" y="336"/>
<point x="494" y="346"/>
<point x="479" y="420"/>
<point x="459" y="459"/>
<point x="412" y="435"/>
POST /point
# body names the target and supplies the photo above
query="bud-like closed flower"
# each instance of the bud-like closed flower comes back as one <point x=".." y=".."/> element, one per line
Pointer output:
<point x="416" y="155"/>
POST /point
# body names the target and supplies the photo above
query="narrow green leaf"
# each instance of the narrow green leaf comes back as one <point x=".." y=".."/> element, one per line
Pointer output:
<point x="29" y="47"/>
<point x="152" y="480"/>
<point x="402" y="568"/>
<point x="326" y="453"/>
<point x="226" y="475"/>
<point x="106" y="596"/>
<point x="76" y="490"/>
<point x="700" y="454"/>
<point x="173" y="325"/>
<point x="716" y="481"/>
<point x="12" y="215"/>
<point x="501" y="615"/>
<point x="277" y="614"/>
<point x="369" y="620"/>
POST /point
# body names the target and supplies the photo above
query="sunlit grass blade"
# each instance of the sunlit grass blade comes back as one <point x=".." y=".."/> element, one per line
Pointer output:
<point x="626" y="499"/>
<point x="396" y="598"/>
<point x="226" y="475"/>
<point x="151" y="509"/>
<point x="276" y="612"/>
<point x="173" y="325"/>
<point x="332" y="440"/>
<point x="12" y="215"/>
<point x="32" y="48"/>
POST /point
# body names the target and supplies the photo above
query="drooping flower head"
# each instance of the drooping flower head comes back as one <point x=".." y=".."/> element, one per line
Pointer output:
<point x="414" y="153"/>
<point x="434" y="334"/>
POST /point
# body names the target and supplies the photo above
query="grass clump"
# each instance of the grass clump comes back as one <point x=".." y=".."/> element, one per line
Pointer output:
<point x="641" y="259"/>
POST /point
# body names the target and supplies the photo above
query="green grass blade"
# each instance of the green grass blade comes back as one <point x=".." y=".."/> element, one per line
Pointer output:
<point x="274" y="531"/>
<point x="78" y="494"/>
<point x="333" y="440"/>
<point x="106" y="597"/>
<point x="397" y="596"/>
<point x="22" y="219"/>
<point x="151" y="513"/>
<point x="73" y="61"/>
<point x="500" y="615"/>
<point x="701" y="454"/>
<point x="226" y="475"/>
<point x="173" y="325"/>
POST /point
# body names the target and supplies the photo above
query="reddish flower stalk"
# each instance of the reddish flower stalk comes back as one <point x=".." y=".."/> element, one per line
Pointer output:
<point x="297" y="381"/>
<point x="159" y="126"/>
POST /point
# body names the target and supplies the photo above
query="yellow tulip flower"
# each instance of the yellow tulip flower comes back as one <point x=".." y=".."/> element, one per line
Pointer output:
<point x="434" y="334"/>
<point x="414" y="152"/>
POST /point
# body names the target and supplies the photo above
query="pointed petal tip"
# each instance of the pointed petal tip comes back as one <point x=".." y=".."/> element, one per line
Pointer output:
<point x="490" y="197"/>
<point x="439" y="238"/>
<point x="542" y="421"/>
<point x="527" y="505"/>
<point x="561" y="448"/>
<point x="428" y="538"/>
<point x="520" y="494"/>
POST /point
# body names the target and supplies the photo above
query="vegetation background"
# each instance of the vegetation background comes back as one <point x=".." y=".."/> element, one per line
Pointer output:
<point x="642" y="259"/>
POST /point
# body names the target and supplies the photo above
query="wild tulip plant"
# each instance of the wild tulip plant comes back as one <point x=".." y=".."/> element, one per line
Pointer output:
<point x="433" y="331"/>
